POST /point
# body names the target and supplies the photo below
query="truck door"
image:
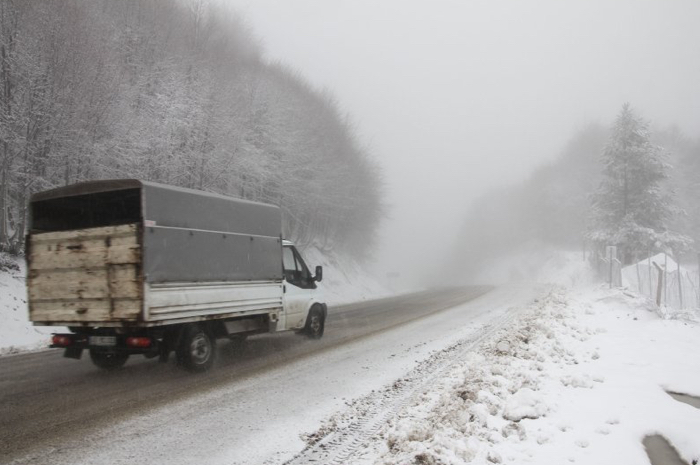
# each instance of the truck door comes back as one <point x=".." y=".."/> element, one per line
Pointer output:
<point x="299" y="285"/>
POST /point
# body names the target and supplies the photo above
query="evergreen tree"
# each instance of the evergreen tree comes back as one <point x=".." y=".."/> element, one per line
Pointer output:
<point x="630" y="208"/>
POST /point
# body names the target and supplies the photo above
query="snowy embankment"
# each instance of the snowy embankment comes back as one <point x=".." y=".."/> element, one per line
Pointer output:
<point x="343" y="281"/>
<point x="580" y="376"/>
<point x="16" y="332"/>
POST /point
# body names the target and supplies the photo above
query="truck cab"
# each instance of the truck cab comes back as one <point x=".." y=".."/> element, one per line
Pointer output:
<point x="300" y="289"/>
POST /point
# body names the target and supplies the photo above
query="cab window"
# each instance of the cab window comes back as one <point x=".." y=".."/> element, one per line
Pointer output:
<point x="295" y="270"/>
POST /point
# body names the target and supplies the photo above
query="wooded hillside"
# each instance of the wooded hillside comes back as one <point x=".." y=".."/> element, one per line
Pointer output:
<point x="173" y="92"/>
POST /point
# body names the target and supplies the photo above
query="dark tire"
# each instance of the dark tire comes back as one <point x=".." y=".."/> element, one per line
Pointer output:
<point x="315" y="323"/>
<point x="196" y="349"/>
<point x="108" y="360"/>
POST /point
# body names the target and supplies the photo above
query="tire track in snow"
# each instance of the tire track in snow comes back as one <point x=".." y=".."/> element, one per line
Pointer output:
<point x="335" y="444"/>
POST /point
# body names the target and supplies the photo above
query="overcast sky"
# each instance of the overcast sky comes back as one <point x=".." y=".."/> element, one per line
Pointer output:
<point x="455" y="98"/>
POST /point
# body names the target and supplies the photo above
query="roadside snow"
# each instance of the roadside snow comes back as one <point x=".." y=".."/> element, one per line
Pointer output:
<point x="344" y="280"/>
<point x="578" y="377"/>
<point x="16" y="332"/>
<point x="525" y="403"/>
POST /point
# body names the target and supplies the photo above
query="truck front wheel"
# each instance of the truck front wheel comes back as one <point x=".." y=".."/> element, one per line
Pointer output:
<point x="315" y="323"/>
<point x="108" y="360"/>
<point x="196" y="349"/>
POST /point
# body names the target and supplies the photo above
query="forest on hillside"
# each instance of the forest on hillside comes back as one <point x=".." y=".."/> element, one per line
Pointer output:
<point x="173" y="91"/>
<point x="556" y="204"/>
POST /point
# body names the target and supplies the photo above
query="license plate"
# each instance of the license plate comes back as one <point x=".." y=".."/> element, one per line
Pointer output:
<point x="103" y="341"/>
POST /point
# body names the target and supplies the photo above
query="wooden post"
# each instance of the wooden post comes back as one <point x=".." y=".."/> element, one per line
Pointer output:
<point x="659" y="285"/>
<point x="680" y="286"/>
<point x="665" y="278"/>
<point x="650" y="281"/>
<point x="612" y="254"/>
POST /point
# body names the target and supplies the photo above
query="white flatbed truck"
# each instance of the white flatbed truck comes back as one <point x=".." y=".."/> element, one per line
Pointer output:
<point x="134" y="267"/>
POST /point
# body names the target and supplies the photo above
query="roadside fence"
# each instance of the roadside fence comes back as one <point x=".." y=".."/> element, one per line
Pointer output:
<point x="608" y="266"/>
<point x="665" y="281"/>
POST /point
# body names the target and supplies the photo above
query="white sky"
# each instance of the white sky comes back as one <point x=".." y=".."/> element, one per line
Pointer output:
<point x="457" y="97"/>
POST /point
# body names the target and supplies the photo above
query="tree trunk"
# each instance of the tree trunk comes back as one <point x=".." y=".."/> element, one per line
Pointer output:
<point x="680" y="286"/>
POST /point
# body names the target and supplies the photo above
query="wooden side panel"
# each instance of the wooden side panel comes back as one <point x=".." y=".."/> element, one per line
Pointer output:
<point x="85" y="311"/>
<point x="89" y="253"/>
<point x="112" y="281"/>
<point x="88" y="275"/>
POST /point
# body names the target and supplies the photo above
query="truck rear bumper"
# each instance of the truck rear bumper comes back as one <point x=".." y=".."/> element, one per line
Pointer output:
<point x="74" y="344"/>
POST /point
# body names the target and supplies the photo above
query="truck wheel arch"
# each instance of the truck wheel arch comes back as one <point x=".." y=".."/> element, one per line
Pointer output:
<point x="316" y="321"/>
<point x="196" y="348"/>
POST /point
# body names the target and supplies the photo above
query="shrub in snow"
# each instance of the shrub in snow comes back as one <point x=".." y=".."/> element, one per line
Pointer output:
<point x="8" y="263"/>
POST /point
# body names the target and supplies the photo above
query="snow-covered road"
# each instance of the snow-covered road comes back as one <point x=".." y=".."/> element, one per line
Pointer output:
<point x="524" y="373"/>
<point x="260" y="416"/>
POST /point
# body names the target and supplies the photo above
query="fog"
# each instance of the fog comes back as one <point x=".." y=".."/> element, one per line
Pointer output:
<point x="455" y="98"/>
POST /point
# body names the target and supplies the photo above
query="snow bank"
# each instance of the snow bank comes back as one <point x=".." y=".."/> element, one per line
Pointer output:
<point x="525" y="403"/>
<point x="344" y="280"/>
<point x="578" y="377"/>
<point x="16" y="332"/>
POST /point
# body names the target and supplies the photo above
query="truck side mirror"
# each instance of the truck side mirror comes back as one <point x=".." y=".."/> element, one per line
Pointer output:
<point x="319" y="274"/>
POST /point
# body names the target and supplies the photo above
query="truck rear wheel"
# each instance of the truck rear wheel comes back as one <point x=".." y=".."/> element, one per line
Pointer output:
<point x="315" y="323"/>
<point x="108" y="360"/>
<point x="196" y="349"/>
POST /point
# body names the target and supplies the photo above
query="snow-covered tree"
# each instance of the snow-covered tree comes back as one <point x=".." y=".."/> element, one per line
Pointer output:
<point x="173" y="92"/>
<point x="631" y="209"/>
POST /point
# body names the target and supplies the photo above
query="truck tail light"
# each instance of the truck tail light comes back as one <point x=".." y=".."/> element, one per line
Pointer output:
<point x="138" y="342"/>
<point x="61" y="340"/>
